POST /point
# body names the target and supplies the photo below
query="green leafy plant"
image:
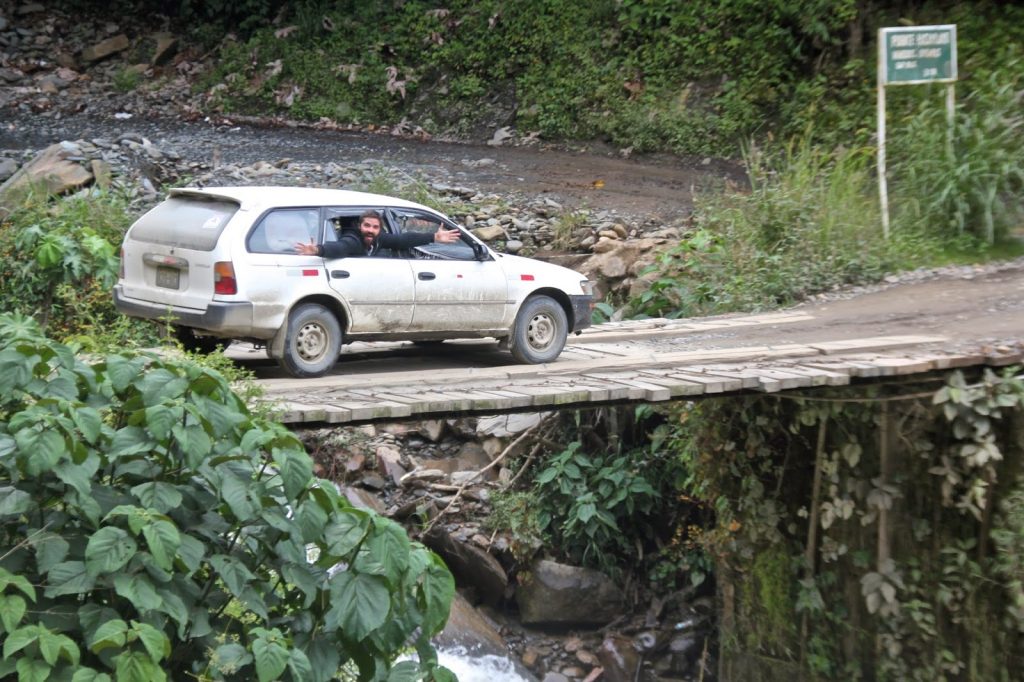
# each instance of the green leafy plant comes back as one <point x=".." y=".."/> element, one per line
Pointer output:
<point x="588" y="500"/>
<point x="151" y="527"/>
<point x="58" y="262"/>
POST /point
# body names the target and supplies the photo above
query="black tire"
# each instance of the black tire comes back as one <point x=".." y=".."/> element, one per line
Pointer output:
<point x="203" y="345"/>
<point x="312" y="341"/>
<point x="540" y="331"/>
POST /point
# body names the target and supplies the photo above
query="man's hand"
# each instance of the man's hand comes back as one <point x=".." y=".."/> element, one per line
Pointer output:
<point x="444" y="236"/>
<point x="307" y="248"/>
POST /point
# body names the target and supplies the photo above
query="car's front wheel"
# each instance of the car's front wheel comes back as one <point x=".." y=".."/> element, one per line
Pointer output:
<point x="540" y="331"/>
<point x="312" y="342"/>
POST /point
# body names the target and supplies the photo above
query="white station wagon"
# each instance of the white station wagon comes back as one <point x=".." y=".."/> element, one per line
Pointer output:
<point x="224" y="263"/>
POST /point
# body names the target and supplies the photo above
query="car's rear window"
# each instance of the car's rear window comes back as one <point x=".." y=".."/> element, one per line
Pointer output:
<point x="185" y="222"/>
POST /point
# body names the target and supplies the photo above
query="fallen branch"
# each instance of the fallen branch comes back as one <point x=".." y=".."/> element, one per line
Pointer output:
<point x="497" y="460"/>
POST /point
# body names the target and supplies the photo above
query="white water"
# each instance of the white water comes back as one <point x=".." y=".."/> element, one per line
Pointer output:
<point x="469" y="668"/>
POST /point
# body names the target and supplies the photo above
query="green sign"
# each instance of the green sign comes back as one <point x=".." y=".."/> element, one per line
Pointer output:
<point x="917" y="54"/>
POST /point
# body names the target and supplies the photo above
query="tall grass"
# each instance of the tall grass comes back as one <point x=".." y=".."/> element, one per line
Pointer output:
<point x="810" y="222"/>
<point x="976" y="187"/>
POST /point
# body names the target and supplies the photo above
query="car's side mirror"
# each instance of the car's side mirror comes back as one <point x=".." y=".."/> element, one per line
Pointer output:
<point x="479" y="252"/>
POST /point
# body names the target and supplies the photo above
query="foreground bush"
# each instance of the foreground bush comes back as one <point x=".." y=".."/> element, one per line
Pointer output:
<point x="151" y="528"/>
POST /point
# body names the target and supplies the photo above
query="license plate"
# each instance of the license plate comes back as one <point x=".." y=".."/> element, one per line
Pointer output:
<point x="168" y="278"/>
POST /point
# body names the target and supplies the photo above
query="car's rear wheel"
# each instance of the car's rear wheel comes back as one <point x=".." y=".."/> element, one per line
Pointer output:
<point x="540" y="331"/>
<point x="192" y="343"/>
<point x="312" y="342"/>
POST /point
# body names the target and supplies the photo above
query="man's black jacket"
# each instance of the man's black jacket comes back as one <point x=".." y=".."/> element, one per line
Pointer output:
<point x="350" y="243"/>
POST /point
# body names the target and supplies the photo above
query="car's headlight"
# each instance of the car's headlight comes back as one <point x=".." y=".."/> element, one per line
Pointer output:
<point x="587" y="286"/>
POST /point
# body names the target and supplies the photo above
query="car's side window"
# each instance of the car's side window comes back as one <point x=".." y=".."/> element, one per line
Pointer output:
<point x="279" y="230"/>
<point x="416" y="221"/>
<point x="341" y="220"/>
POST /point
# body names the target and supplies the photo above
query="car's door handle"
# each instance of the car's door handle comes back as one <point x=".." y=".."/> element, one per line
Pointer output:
<point x="339" y="274"/>
<point x="427" y="275"/>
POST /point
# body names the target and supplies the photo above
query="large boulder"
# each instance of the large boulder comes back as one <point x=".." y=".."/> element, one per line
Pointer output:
<point x="557" y="594"/>
<point x="55" y="170"/>
<point x="472" y="566"/>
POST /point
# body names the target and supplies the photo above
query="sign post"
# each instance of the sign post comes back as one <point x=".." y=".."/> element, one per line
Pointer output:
<point x="911" y="55"/>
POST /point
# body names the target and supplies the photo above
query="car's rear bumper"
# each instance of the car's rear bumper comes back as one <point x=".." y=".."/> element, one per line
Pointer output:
<point x="582" y="307"/>
<point x="224" y="318"/>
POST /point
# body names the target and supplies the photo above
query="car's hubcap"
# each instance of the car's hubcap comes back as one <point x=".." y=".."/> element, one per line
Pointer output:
<point x="541" y="332"/>
<point x="311" y="342"/>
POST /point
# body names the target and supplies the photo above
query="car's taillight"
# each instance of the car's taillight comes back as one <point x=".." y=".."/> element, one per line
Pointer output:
<point x="120" y="265"/>
<point x="224" y="278"/>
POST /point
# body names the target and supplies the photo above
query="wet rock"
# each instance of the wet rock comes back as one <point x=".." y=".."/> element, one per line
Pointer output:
<point x="557" y="594"/>
<point x="489" y="233"/>
<point x="555" y="677"/>
<point x="619" y="658"/>
<point x="433" y="429"/>
<point x="470" y="628"/>
<point x="389" y="463"/>
<point x="165" y="49"/>
<point x="363" y="499"/>
<point x="471" y="565"/>
<point x="7" y="168"/>
<point x="105" y="48"/>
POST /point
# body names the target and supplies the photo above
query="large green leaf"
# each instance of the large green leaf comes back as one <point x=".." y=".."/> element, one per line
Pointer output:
<point x="78" y="476"/>
<point x="221" y="417"/>
<point x="174" y="606"/>
<point x="89" y="675"/>
<point x="311" y="519"/>
<point x="50" y="550"/>
<point x="157" y="644"/>
<point x="296" y="469"/>
<point x="19" y="581"/>
<point x="386" y="551"/>
<point x="14" y="502"/>
<point x="138" y="590"/>
<point x="111" y="634"/>
<point x="15" y="370"/>
<point x="303" y="577"/>
<point x="41" y="447"/>
<point x="135" y="666"/>
<point x="163" y="539"/>
<point x="405" y="671"/>
<point x="160" y="419"/>
<point x="89" y="423"/>
<point x="158" y="495"/>
<point x="437" y="588"/>
<point x="12" y="610"/>
<point x="68" y="577"/>
<point x="122" y="370"/>
<point x="235" y="492"/>
<point x="193" y="443"/>
<point x="271" y="656"/>
<point x="233" y="572"/>
<point x="161" y="384"/>
<point x="53" y="645"/>
<point x="21" y="638"/>
<point x="109" y="549"/>
<point x="33" y="670"/>
<point x="191" y="552"/>
<point x="129" y="441"/>
<point x="345" y="531"/>
<point x="359" y="604"/>
<point x="299" y="665"/>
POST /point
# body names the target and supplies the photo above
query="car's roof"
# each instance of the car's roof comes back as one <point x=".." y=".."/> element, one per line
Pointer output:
<point x="258" y="197"/>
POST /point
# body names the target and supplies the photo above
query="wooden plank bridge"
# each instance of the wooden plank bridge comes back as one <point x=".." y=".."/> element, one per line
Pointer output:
<point x="636" y="361"/>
